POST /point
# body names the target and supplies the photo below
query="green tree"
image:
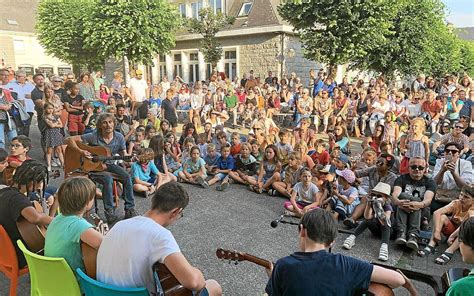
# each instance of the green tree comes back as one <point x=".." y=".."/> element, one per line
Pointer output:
<point x="337" y="32"/>
<point x="137" y="29"/>
<point x="60" y="28"/>
<point x="208" y="25"/>
<point x="467" y="57"/>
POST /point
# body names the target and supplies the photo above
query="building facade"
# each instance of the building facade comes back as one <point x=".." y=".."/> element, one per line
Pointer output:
<point x="19" y="47"/>
<point x="259" y="40"/>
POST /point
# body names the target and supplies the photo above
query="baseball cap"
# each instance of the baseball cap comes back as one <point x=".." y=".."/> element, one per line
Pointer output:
<point x="347" y="174"/>
<point x="345" y="159"/>
<point x="138" y="72"/>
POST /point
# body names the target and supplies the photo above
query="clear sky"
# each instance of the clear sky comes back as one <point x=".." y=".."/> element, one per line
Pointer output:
<point x="460" y="12"/>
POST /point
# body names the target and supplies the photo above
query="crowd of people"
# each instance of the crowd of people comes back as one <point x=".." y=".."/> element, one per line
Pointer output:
<point x="414" y="172"/>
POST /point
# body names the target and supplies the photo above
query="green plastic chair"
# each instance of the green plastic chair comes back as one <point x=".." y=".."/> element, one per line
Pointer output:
<point x="93" y="287"/>
<point x="50" y="276"/>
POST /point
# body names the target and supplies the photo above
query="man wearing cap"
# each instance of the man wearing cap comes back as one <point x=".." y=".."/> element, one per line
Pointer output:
<point x="23" y="88"/>
<point x="378" y="173"/>
<point x="138" y="89"/>
<point x="412" y="192"/>
<point x="377" y="216"/>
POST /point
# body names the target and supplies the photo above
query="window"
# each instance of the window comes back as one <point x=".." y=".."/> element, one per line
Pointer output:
<point x="178" y="68"/>
<point x="245" y="10"/>
<point x="182" y="10"/>
<point x="195" y="7"/>
<point x="64" y="70"/>
<point x="46" y="70"/>
<point x="29" y="69"/>
<point x="230" y="63"/>
<point x="177" y="57"/>
<point x="162" y="66"/>
<point x="208" y="71"/>
<point x="19" y="46"/>
<point x="216" y="5"/>
<point x="193" y="67"/>
<point x="12" y="22"/>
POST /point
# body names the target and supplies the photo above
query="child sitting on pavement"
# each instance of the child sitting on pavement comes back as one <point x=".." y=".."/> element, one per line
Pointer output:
<point x="225" y="164"/>
<point x="292" y="176"/>
<point x="143" y="172"/>
<point x="304" y="196"/>
<point x="377" y="215"/>
<point x="245" y="165"/>
<point x="345" y="197"/>
<point x="194" y="169"/>
<point x="211" y="159"/>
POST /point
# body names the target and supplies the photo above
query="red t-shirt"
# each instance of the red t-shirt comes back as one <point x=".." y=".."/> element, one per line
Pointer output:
<point x="432" y="108"/>
<point x="321" y="158"/>
<point x="14" y="158"/>
<point x="235" y="149"/>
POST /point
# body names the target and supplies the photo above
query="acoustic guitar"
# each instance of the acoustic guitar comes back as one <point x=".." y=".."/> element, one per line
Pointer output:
<point x="89" y="254"/>
<point x="76" y="162"/>
<point x="374" y="288"/>
<point x="33" y="235"/>
<point x="9" y="172"/>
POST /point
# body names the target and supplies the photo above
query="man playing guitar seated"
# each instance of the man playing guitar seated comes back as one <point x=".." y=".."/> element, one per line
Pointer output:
<point x="315" y="271"/>
<point x="144" y="240"/>
<point x="15" y="205"/>
<point x="105" y="135"/>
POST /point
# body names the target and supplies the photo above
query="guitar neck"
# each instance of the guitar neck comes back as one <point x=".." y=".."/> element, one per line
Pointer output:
<point x="117" y="157"/>
<point x="256" y="260"/>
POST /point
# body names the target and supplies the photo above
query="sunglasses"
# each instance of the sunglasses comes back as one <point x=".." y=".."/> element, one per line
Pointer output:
<point x="378" y="195"/>
<point x="452" y="151"/>
<point x="417" y="167"/>
<point x="459" y="126"/>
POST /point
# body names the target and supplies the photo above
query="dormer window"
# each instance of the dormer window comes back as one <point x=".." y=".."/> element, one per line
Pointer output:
<point x="245" y="9"/>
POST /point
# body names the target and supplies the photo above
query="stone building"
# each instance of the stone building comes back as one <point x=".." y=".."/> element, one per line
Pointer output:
<point x="19" y="47"/>
<point x="259" y="40"/>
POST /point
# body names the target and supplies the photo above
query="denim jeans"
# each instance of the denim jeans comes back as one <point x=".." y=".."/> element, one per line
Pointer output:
<point x="108" y="181"/>
<point x="11" y="133"/>
<point x="408" y="223"/>
<point x="376" y="228"/>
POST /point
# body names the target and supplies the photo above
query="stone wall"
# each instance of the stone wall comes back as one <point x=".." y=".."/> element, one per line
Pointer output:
<point x="298" y="63"/>
<point x="7" y="53"/>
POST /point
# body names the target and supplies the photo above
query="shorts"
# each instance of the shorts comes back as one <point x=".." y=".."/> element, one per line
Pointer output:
<point x="449" y="228"/>
<point x="300" y="204"/>
<point x="221" y="176"/>
<point x="75" y="125"/>
<point x="173" y="122"/>
<point x="343" y="210"/>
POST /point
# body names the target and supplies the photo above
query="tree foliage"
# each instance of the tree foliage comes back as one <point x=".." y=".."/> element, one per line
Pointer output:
<point x="208" y="25"/>
<point x="60" y="28"/>
<point x="336" y="32"/>
<point x="467" y="57"/>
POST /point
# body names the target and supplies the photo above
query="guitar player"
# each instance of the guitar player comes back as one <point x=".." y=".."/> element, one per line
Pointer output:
<point x="14" y="205"/>
<point x="105" y="135"/>
<point x="323" y="273"/>
<point x="144" y="240"/>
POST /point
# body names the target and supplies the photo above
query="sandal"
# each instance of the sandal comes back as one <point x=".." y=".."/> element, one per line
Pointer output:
<point x="428" y="250"/>
<point x="444" y="258"/>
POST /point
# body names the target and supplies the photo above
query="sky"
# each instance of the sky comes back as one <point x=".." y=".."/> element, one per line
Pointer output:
<point x="460" y="12"/>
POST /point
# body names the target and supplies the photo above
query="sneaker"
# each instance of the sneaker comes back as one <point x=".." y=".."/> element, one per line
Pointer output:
<point x="401" y="239"/>
<point x="289" y="213"/>
<point x="349" y="242"/>
<point x="349" y="222"/>
<point x="111" y="217"/>
<point x="412" y="242"/>
<point x="129" y="213"/>
<point x="271" y="192"/>
<point x="55" y="162"/>
<point x="224" y="186"/>
<point x="383" y="252"/>
<point x="200" y="180"/>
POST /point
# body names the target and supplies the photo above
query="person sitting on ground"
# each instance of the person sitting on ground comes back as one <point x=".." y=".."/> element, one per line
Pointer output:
<point x="236" y="144"/>
<point x="68" y="229"/>
<point x="446" y="220"/>
<point x="144" y="241"/>
<point x="143" y="172"/>
<point x="29" y="177"/>
<point x="292" y="176"/>
<point x="306" y="160"/>
<point x="245" y="165"/>
<point x="321" y="272"/>
<point x="465" y="286"/>
<point x="451" y="173"/>
<point x="412" y="192"/>
<point x="211" y="159"/>
<point x="194" y="169"/>
<point x="321" y="155"/>
<point x="225" y="164"/>
<point x="375" y="174"/>
<point x="305" y="196"/>
<point x="377" y="216"/>
<point x="284" y="147"/>
<point x="269" y="171"/>
<point x="345" y="196"/>
<point x="456" y="136"/>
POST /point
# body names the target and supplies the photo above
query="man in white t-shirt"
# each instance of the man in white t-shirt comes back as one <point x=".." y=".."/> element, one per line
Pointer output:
<point x="139" y="91"/>
<point x="131" y="248"/>
<point x="23" y="89"/>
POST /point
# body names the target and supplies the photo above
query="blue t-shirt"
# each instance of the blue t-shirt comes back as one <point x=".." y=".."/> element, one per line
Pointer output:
<point x="226" y="164"/>
<point x="212" y="161"/>
<point x="63" y="239"/>
<point x="318" y="273"/>
<point x="144" y="175"/>
<point x="194" y="167"/>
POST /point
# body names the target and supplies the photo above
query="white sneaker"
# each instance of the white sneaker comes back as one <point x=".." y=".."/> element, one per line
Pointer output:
<point x="289" y="213"/>
<point x="383" y="252"/>
<point x="349" y="242"/>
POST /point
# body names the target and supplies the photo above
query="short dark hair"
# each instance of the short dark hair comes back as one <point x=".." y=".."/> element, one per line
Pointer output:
<point x="169" y="196"/>
<point x="37" y="75"/>
<point x="24" y="141"/>
<point x="453" y="144"/>
<point x="320" y="226"/>
<point x="466" y="232"/>
<point x="31" y="171"/>
<point x="3" y="154"/>
<point x="120" y="106"/>
<point x="389" y="158"/>
<point x="74" y="194"/>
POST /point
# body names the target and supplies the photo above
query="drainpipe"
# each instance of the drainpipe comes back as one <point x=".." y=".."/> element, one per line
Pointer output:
<point x="282" y="51"/>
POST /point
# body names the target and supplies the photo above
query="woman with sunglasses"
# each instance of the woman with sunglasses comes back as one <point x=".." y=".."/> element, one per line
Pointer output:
<point x="456" y="136"/>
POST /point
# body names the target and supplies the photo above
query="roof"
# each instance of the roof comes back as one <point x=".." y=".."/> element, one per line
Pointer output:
<point x="19" y="16"/>
<point x="466" y="33"/>
<point x="263" y="13"/>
